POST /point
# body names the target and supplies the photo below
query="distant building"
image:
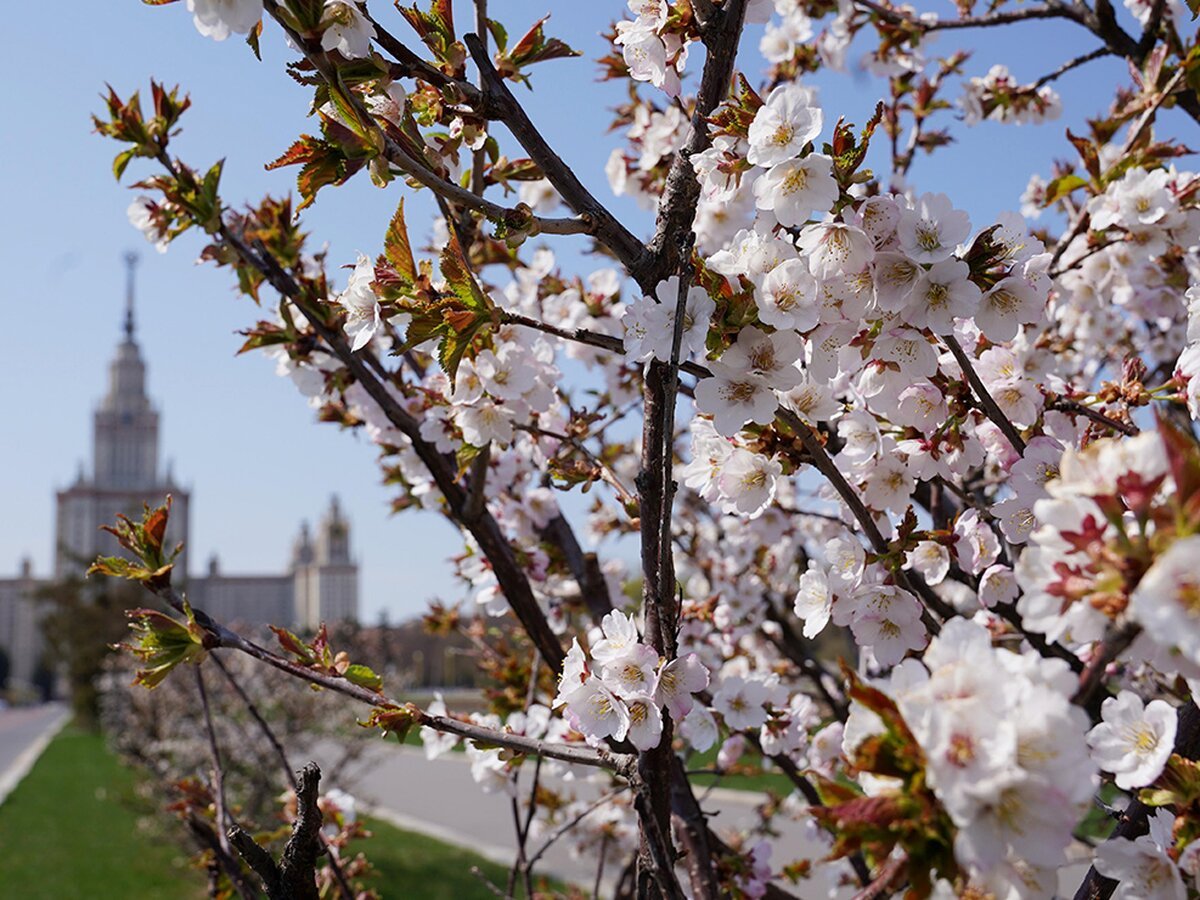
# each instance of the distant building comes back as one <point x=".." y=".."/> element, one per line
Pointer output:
<point x="320" y="583"/>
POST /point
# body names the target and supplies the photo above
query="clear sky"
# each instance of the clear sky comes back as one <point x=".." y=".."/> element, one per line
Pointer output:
<point x="242" y="438"/>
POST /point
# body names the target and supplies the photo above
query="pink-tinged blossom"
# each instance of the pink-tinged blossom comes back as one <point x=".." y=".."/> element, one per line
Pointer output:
<point x="218" y="19"/>
<point x="878" y="216"/>
<point x="796" y="189"/>
<point x="632" y="673"/>
<point x="620" y="637"/>
<point x="833" y="249"/>
<point x="699" y="729"/>
<point x="931" y="229"/>
<point x="1142" y="867"/>
<point x="645" y="722"/>
<point x="740" y="702"/>
<point x="437" y="742"/>
<point x="146" y="216"/>
<point x="772" y="357"/>
<point x="574" y="674"/>
<point x="895" y="278"/>
<point x="646" y="56"/>
<point x="1008" y="304"/>
<point x="1134" y="740"/>
<point x="710" y="452"/>
<point x="361" y="304"/>
<point x="787" y="121"/>
<point x="997" y="584"/>
<point x="942" y="294"/>
<point x="485" y="422"/>
<point x="814" y="601"/>
<point x="930" y="559"/>
<point x="596" y="712"/>
<point x="677" y="682"/>
<point x="890" y="637"/>
<point x="977" y="547"/>
<point x="734" y="397"/>
<point x="788" y="297"/>
<point x="650" y="326"/>
<point x="1166" y="601"/>
<point x="921" y="406"/>
<point x="748" y="481"/>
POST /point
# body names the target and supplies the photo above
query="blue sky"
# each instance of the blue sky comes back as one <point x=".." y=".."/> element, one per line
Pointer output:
<point x="242" y="438"/>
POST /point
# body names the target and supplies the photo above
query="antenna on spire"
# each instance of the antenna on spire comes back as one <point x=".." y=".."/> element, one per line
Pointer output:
<point x="131" y="261"/>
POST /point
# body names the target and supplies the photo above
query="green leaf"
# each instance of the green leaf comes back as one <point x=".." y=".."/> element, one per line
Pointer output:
<point x="1062" y="186"/>
<point x="121" y="161"/>
<point x="253" y="37"/>
<point x="363" y="677"/>
<point x="293" y="645"/>
<point x="396" y="246"/>
<point x="500" y="35"/>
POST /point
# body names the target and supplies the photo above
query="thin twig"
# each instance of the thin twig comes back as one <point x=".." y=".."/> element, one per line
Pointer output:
<point x="348" y="892"/>
<point x="1082" y="59"/>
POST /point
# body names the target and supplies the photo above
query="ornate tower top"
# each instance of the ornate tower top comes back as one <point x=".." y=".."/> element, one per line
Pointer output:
<point x="131" y="261"/>
<point x="125" y="435"/>
<point x="333" y="538"/>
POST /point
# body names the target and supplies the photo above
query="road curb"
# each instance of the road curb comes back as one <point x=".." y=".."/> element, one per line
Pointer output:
<point x="20" y="766"/>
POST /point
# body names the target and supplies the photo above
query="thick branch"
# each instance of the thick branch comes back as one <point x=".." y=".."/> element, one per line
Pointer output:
<point x="294" y="876"/>
<point x="677" y="208"/>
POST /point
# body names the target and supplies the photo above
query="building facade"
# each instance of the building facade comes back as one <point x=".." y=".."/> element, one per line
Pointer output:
<point x="320" y="583"/>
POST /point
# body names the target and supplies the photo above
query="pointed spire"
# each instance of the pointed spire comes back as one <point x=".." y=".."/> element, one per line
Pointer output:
<point x="131" y="261"/>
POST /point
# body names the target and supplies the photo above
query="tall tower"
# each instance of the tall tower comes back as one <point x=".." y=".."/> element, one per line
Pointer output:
<point x="125" y="426"/>
<point x="325" y="576"/>
<point x="125" y="472"/>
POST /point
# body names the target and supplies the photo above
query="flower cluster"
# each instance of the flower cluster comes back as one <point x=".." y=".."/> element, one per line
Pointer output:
<point x="622" y="691"/>
<point x="996" y="97"/>
<point x="1005" y="753"/>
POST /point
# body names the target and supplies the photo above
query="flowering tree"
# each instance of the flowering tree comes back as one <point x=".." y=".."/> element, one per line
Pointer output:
<point x="968" y="447"/>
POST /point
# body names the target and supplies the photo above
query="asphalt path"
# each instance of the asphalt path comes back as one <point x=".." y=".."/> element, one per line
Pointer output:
<point x="24" y="732"/>
<point x="439" y="798"/>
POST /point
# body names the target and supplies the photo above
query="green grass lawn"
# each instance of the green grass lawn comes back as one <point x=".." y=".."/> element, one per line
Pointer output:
<point x="76" y="828"/>
<point x="414" y="866"/>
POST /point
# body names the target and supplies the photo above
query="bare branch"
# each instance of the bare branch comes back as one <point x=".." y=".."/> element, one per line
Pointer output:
<point x="294" y="876"/>
<point x="1080" y="409"/>
<point x="605" y="226"/>
<point x="348" y="892"/>
<point x="990" y="407"/>
<point x="1075" y="63"/>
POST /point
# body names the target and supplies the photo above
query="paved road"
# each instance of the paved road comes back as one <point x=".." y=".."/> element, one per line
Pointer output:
<point x="439" y="798"/>
<point x="22" y="731"/>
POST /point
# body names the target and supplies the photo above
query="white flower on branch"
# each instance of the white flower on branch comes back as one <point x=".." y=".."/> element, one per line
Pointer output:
<point x="218" y="19"/>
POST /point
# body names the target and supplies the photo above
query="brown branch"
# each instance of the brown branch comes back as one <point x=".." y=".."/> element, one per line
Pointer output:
<point x="513" y="581"/>
<point x="1082" y="59"/>
<point x="985" y="399"/>
<point x="294" y="876"/>
<point x="681" y="193"/>
<point x="348" y="892"/>
<point x="419" y="169"/>
<point x="218" y="771"/>
<point x="585" y="567"/>
<point x="218" y="635"/>
<point x="1080" y="409"/>
<point x="604" y="225"/>
<point x="824" y="464"/>
<point x="1116" y="642"/>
